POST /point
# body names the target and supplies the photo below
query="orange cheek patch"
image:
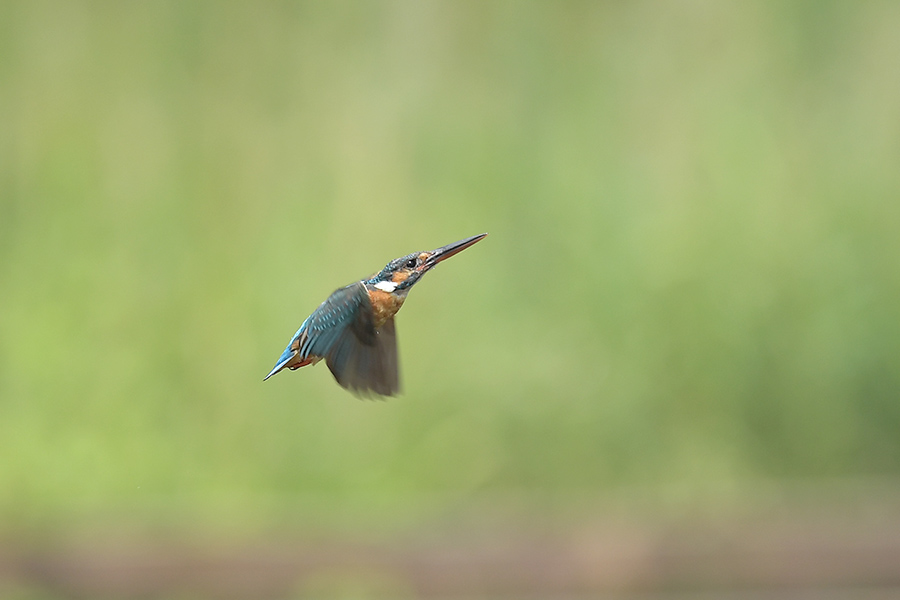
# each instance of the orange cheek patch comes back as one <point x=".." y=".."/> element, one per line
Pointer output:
<point x="400" y="276"/>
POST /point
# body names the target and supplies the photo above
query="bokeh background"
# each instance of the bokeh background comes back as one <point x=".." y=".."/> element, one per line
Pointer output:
<point x="687" y="309"/>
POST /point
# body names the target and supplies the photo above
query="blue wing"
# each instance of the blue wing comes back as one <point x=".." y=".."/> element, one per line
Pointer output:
<point x="318" y="332"/>
<point x="342" y="331"/>
<point x="347" y="308"/>
<point x="364" y="365"/>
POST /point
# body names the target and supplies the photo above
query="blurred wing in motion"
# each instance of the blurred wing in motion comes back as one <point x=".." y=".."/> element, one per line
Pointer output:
<point x="342" y="331"/>
<point x="367" y="364"/>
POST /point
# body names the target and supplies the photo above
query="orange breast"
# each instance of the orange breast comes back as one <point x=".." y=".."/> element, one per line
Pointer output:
<point x="384" y="305"/>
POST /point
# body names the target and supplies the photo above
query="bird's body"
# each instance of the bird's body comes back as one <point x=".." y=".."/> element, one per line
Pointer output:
<point x="353" y="330"/>
<point x="384" y="305"/>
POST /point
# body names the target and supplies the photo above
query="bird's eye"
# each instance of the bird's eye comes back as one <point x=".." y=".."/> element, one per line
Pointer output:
<point x="411" y="263"/>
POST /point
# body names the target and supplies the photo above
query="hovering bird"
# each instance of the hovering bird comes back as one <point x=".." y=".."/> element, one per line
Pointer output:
<point x="353" y="330"/>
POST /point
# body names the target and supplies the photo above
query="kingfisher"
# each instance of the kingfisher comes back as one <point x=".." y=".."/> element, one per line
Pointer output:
<point x="353" y="330"/>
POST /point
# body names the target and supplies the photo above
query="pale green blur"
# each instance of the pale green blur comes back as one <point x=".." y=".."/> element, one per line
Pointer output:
<point x="691" y="286"/>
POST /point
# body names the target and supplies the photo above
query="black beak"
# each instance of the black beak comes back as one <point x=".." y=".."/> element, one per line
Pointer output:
<point x="436" y="256"/>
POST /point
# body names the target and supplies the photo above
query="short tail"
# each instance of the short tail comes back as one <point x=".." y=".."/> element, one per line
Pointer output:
<point x="281" y="365"/>
<point x="286" y="357"/>
<point x="289" y="353"/>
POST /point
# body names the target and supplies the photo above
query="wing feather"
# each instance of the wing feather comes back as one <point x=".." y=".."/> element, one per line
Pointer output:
<point x="342" y="331"/>
<point x="362" y="367"/>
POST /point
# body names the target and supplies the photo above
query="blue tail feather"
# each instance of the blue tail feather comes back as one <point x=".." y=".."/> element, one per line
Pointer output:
<point x="287" y="355"/>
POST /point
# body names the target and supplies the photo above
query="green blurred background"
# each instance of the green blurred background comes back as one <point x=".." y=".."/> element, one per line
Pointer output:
<point x="690" y="291"/>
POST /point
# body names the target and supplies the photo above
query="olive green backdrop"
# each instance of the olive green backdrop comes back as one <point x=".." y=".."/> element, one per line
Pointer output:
<point x="690" y="291"/>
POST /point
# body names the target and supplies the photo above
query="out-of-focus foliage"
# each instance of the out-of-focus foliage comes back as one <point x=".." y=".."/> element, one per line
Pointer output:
<point x="692" y="279"/>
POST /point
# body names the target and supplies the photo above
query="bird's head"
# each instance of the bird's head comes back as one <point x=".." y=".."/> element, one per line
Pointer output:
<point x="399" y="275"/>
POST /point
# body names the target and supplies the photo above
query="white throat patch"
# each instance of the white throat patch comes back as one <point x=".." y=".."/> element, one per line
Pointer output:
<point x="386" y="286"/>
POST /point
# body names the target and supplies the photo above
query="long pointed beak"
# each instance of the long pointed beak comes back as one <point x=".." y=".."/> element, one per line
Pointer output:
<point x="436" y="256"/>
